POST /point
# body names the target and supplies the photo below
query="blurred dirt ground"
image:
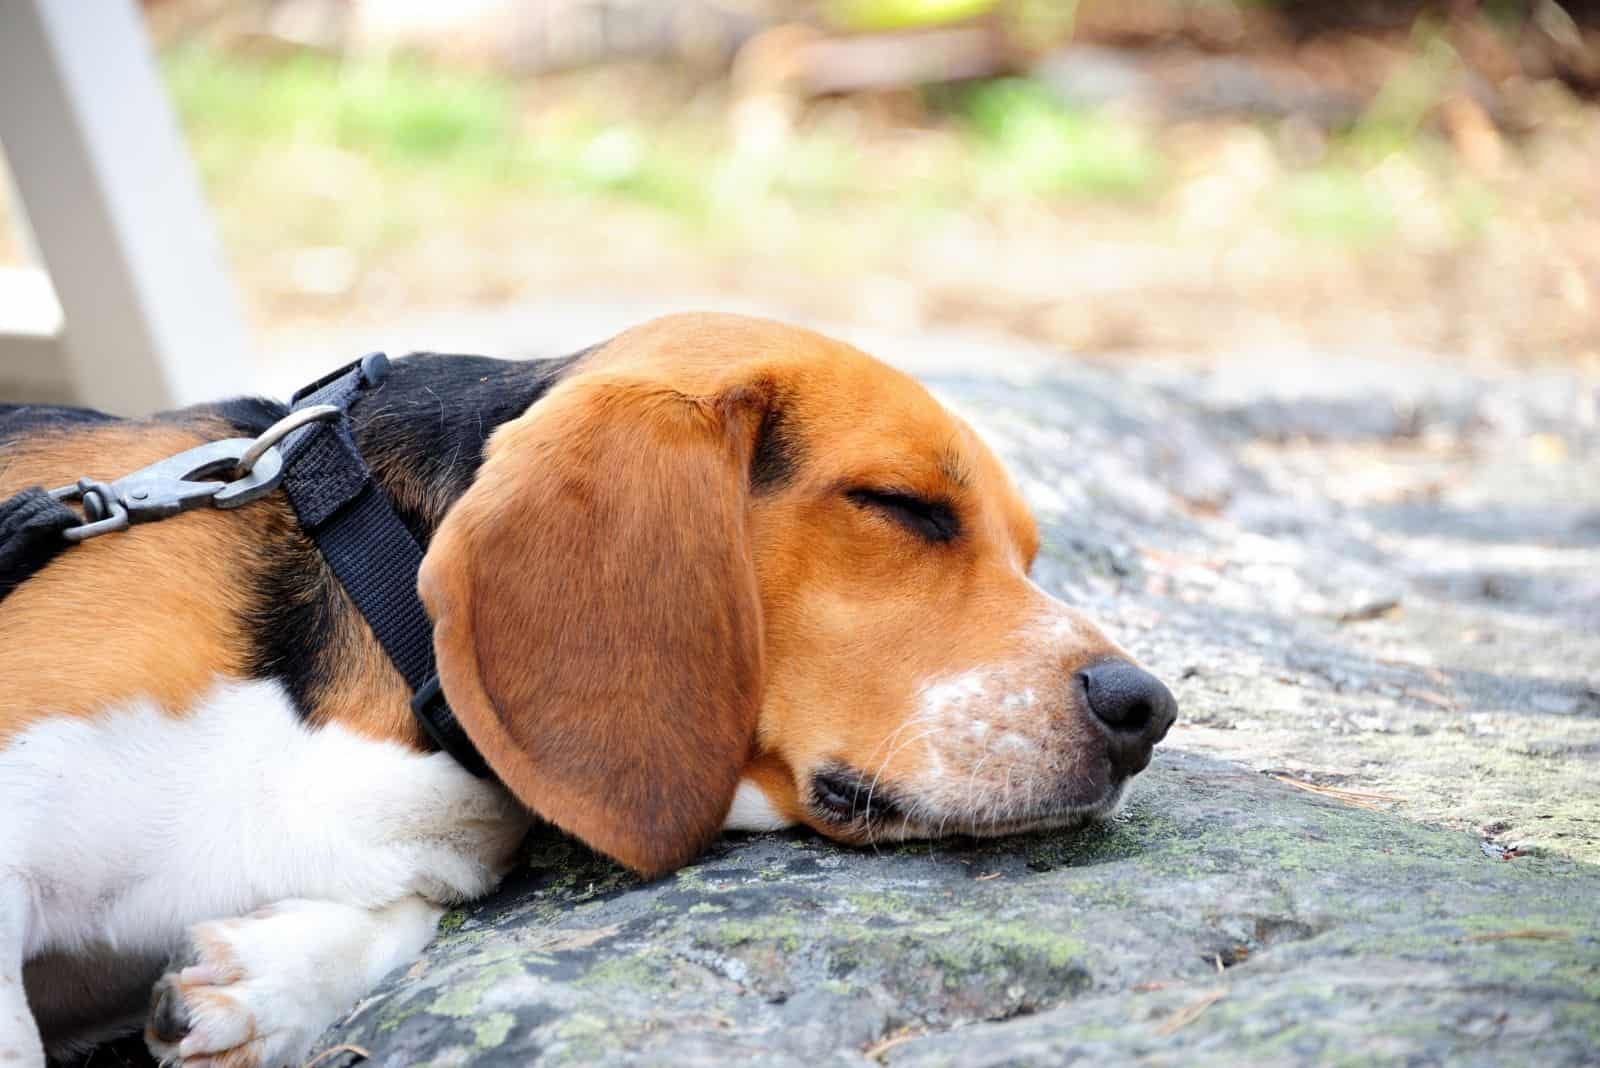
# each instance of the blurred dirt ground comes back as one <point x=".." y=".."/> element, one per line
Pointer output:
<point x="1194" y="187"/>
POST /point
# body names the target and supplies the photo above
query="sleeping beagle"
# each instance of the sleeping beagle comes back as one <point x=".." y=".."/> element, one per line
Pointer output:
<point x="717" y="573"/>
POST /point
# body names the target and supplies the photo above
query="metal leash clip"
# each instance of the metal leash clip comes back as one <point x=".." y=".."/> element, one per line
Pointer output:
<point x="221" y="474"/>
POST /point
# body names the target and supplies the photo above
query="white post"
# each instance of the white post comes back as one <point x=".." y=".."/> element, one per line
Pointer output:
<point x="150" y="319"/>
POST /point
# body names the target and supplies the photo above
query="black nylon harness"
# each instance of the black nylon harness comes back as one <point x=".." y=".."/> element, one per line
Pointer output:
<point x="31" y="524"/>
<point x="341" y="508"/>
<point x="345" y="512"/>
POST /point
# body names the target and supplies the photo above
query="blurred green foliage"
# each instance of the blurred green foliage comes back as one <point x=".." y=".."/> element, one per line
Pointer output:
<point x="1007" y="142"/>
<point x="863" y="15"/>
<point x="401" y="110"/>
<point x="1032" y="143"/>
<point x="1336" y="202"/>
<point x="1012" y="138"/>
<point x="1392" y="122"/>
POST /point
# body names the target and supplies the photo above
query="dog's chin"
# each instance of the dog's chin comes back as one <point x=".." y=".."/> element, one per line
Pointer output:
<point x="1070" y="816"/>
<point x="909" y="822"/>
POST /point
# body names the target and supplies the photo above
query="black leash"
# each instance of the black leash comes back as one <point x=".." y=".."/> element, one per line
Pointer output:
<point x="312" y="455"/>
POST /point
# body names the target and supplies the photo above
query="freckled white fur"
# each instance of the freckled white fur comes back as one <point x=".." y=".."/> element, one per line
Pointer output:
<point x="990" y="739"/>
<point x="124" y="829"/>
<point x="1015" y="701"/>
<point x="956" y="692"/>
<point x="1013" y="741"/>
<point x="751" y="811"/>
<point x="1062" y="628"/>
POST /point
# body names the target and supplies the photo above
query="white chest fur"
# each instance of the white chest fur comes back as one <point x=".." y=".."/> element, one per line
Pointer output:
<point x="121" y="830"/>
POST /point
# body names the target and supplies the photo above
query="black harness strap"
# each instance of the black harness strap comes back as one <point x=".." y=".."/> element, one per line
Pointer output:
<point x="341" y="508"/>
<point x="31" y="523"/>
<point x="368" y="547"/>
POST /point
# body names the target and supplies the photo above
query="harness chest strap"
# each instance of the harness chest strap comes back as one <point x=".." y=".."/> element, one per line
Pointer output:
<point x="368" y="547"/>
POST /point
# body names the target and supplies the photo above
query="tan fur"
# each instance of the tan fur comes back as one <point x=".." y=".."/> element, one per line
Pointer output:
<point x="776" y="780"/>
<point x="158" y="611"/>
<point x="154" y="611"/>
<point x="221" y="961"/>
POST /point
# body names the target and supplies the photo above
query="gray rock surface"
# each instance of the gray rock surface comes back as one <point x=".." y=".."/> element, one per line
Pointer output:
<point x="1375" y="587"/>
<point x="1222" y="917"/>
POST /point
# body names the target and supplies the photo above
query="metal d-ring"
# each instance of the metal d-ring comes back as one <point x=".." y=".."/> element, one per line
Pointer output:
<point x="311" y="413"/>
<point x="102" y="511"/>
<point x="191" y="479"/>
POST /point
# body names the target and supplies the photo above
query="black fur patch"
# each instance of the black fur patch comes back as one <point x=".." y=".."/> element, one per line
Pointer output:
<point x="423" y="430"/>
<point x="248" y="415"/>
<point x="953" y="468"/>
<point x="776" y="456"/>
<point x="19" y="419"/>
<point x="295" y="617"/>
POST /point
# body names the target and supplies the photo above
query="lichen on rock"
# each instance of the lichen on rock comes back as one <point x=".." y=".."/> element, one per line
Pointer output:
<point x="1308" y="928"/>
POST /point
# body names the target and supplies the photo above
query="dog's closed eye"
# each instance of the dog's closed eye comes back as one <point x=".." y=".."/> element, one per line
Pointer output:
<point x="932" y="521"/>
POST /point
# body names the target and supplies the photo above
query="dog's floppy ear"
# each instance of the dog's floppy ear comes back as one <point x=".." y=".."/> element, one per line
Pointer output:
<point x="597" y="620"/>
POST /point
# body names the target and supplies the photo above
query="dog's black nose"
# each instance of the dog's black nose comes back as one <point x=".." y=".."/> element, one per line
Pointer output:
<point x="1135" y="706"/>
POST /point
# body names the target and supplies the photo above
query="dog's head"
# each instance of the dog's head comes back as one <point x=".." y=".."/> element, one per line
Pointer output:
<point x="726" y="556"/>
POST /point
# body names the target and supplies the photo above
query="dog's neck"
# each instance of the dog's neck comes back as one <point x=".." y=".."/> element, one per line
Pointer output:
<point x="423" y="431"/>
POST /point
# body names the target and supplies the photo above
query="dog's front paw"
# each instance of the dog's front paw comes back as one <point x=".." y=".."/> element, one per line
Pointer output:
<point x="241" y="1002"/>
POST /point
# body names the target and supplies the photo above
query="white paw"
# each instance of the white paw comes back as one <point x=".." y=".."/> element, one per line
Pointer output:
<point x="244" y="1001"/>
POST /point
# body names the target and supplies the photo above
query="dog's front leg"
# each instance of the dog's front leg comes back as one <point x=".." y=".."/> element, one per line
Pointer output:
<point x="257" y="990"/>
<point x="19" y="1035"/>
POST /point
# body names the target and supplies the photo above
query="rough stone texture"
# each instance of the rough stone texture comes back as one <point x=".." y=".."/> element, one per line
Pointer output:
<point x="1304" y="928"/>
<point x="1384" y="586"/>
